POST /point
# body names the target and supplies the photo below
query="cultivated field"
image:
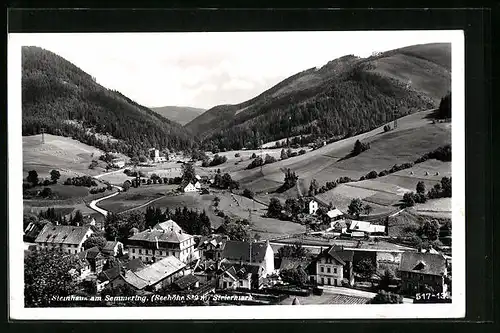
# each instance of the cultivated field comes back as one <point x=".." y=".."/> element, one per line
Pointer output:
<point x="440" y="208"/>
<point x="133" y="198"/>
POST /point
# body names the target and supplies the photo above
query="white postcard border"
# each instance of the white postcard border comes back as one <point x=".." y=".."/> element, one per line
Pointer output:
<point x="388" y="311"/>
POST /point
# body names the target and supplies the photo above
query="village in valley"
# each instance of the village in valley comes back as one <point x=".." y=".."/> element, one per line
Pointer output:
<point x="308" y="218"/>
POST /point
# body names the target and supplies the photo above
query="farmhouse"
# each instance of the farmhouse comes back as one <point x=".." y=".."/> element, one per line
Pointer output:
<point x="152" y="245"/>
<point x="259" y="254"/>
<point x="114" y="248"/>
<point x="240" y="276"/>
<point x="211" y="247"/>
<point x="313" y="207"/>
<point x="366" y="227"/>
<point x="153" y="277"/>
<point x="333" y="266"/>
<point x="189" y="187"/>
<point x="95" y="259"/>
<point x="421" y="271"/>
<point x="104" y="277"/>
<point x="65" y="238"/>
<point x="186" y="282"/>
<point x="32" y="231"/>
<point x="118" y="162"/>
<point x="334" y="214"/>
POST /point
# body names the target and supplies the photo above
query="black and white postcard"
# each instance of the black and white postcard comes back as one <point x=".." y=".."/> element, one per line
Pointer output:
<point x="288" y="175"/>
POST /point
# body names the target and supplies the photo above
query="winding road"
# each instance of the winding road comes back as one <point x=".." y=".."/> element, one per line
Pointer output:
<point x="93" y="203"/>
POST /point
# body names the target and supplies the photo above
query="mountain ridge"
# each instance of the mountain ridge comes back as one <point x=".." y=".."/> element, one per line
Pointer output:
<point x="407" y="79"/>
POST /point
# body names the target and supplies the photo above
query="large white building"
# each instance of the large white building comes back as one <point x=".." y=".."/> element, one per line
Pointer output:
<point x="65" y="238"/>
<point x="153" y="245"/>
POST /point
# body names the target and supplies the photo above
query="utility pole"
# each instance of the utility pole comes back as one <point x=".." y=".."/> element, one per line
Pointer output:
<point x="43" y="134"/>
<point x="395" y="113"/>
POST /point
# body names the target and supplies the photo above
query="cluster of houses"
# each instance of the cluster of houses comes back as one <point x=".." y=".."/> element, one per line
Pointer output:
<point x="167" y="257"/>
<point x="342" y="226"/>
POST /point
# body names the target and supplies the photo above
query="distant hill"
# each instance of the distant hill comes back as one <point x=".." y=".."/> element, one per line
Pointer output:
<point x="60" y="97"/>
<point x="179" y="114"/>
<point x="347" y="96"/>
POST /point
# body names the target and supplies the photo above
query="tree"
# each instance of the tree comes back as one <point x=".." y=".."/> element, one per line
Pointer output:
<point x="248" y="193"/>
<point x="292" y="251"/>
<point x="290" y="180"/>
<point x="126" y="185"/>
<point x="409" y="199"/>
<point x="430" y="229"/>
<point x="295" y="276"/>
<point x="359" y="148"/>
<point x="292" y="206"/>
<point x="274" y="209"/>
<point x="253" y="156"/>
<point x="257" y="162"/>
<point x="188" y="172"/>
<point x="236" y="231"/>
<point x="384" y="297"/>
<point x="387" y="128"/>
<point x="446" y="187"/>
<point x="444" y="110"/>
<point x="94" y="240"/>
<point x="283" y="154"/>
<point x="420" y="187"/>
<point x="55" y="175"/>
<point x="367" y="209"/>
<point x="386" y="279"/>
<point x="29" y="218"/>
<point x="269" y="159"/>
<point x="48" y="273"/>
<point x="365" y="268"/>
<point x="46" y="192"/>
<point x="32" y="177"/>
<point x="355" y="207"/>
<point x="313" y="187"/>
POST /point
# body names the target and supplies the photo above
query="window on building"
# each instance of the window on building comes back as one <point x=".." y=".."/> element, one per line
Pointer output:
<point x="133" y="250"/>
<point x="140" y="251"/>
<point x="328" y="269"/>
<point x="321" y="269"/>
<point x="133" y="257"/>
<point x="241" y="283"/>
<point x="335" y="270"/>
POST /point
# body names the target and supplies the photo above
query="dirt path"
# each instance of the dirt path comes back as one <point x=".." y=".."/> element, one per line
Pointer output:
<point x="93" y="203"/>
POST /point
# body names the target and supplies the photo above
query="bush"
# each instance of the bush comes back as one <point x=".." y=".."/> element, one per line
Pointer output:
<point x="302" y="152"/>
<point x="257" y="162"/>
<point x="237" y="155"/>
<point x="248" y="193"/>
<point x="269" y="159"/>
<point x="217" y="160"/>
<point x="359" y="147"/>
<point x="387" y="128"/>
<point x="372" y="175"/>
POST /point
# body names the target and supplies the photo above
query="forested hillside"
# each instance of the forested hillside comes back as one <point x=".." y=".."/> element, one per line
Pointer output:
<point x="345" y="97"/>
<point x="66" y="101"/>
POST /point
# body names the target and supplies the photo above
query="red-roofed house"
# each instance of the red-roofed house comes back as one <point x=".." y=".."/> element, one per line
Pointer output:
<point x="65" y="238"/>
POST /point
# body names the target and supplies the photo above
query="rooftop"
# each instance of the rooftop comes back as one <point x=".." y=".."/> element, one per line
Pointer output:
<point x="162" y="236"/>
<point x="238" y="250"/>
<point x="62" y="234"/>
<point x="425" y="263"/>
<point x="168" y="225"/>
<point x="152" y="274"/>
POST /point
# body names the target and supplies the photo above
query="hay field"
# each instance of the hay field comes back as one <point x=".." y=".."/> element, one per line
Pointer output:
<point x="414" y="136"/>
<point x="69" y="156"/>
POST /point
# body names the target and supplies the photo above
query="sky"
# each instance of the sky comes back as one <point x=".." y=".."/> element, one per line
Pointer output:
<point x="208" y="69"/>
